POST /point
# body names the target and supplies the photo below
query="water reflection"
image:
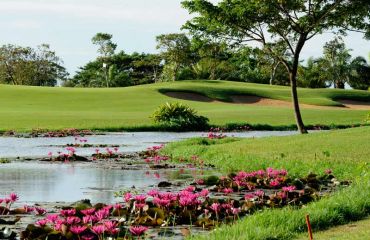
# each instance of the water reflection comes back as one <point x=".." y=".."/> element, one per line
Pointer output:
<point x="39" y="182"/>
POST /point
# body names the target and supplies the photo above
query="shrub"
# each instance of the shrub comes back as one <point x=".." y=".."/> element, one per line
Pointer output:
<point x="177" y="116"/>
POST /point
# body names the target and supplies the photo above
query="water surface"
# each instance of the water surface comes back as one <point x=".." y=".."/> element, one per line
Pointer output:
<point x="11" y="147"/>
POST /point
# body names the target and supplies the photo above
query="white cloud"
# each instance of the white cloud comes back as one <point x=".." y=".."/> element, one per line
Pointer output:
<point x="25" y="24"/>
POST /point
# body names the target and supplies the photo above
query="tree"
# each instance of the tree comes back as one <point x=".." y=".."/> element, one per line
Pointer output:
<point x="106" y="49"/>
<point x="175" y="48"/>
<point x="106" y="46"/>
<point x="278" y="25"/>
<point x="28" y="66"/>
<point x="360" y="74"/>
<point x="336" y="62"/>
<point x="124" y="70"/>
<point x="310" y="76"/>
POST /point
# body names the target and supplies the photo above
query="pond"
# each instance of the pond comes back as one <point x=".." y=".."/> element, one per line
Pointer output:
<point x="11" y="147"/>
<point x="45" y="182"/>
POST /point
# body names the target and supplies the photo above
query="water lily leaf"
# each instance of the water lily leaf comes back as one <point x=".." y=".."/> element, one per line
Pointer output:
<point x="156" y="213"/>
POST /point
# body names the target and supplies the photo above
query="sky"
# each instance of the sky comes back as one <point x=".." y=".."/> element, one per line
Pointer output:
<point x="69" y="25"/>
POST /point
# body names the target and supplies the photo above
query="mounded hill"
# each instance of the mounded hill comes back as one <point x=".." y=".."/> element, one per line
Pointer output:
<point x="24" y="108"/>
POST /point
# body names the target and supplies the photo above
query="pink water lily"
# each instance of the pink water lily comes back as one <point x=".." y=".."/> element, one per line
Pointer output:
<point x="289" y="189"/>
<point x="89" y="211"/>
<point x="138" y="230"/>
<point x="77" y="229"/>
<point x="68" y="212"/>
<point x="98" y="229"/>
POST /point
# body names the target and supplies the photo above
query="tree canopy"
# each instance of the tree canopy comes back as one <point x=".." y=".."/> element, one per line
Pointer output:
<point x="29" y="66"/>
<point x="279" y="26"/>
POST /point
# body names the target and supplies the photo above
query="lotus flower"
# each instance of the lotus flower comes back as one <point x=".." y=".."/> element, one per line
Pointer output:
<point x="98" y="229"/>
<point x="138" y="230"/>
<point x="77" y="229"/>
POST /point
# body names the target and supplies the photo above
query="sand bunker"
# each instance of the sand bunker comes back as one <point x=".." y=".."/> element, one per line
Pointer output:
<point x="260" y="101"/>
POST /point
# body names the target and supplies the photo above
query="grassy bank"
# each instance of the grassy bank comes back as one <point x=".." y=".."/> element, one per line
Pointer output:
<point x="345" y="151"/>
<point x="26" y="108"/>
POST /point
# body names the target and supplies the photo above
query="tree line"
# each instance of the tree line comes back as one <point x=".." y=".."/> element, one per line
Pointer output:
<point x="181" y="57"/>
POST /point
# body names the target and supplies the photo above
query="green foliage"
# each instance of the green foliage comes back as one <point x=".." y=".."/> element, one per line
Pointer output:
<point x="104" y="41"/>
<point x="124" y="70"/>
<point x="179" y="116"/>
<point x="28" y="66"/>
<point x="303" y="154"/>
<point x="311" y="75"/>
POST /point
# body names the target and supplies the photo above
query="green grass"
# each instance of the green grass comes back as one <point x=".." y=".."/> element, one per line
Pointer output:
<point x="355" y="231"/>
<point x="24" y="108"/>
<point x="345" y="151"/>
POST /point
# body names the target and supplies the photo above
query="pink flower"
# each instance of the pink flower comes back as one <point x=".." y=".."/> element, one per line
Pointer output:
<point x="138" y="230"/>
<point x="190" y="189"/>
<point x="259" y="193"/>
<point x="73" y="220"/>
<point x="235" y="211"/>
<point x="52" y="218"/>
<point x="139" y="205"/>
<point x="39" y="211"/>
<point x="102" y="214"/>
<point x="111" y="227"/>
<point x="199" y="182"/>
<point x="50" y="154"/>
<point x="68" y="212"/>
<point x="227" y="191"/>
<point x="153" y="193"/>
<point x="88" y="219"/>
<point x="161" y="202"/>
<point x="89" y="211"/>
<point x="215" y="207"/>
<point x="117" y="206"/>
<point x="140" y="198"/>
<point x="7" y="200"/>
<point x="77" y="229"/>
<point x="127" y="197"/>
<point x="42" y="223"/>
<point x="328" y="171"/>
<point x="249" y="196"/>
<point x="28" y="209"/>
<point x="282" y="195"/>
<point x="274" y="183"/>
<point x="1" y="200"/>
<point x="204" y="193"/>
<point x="98" y="229"/>
<point x="288" y="189"/>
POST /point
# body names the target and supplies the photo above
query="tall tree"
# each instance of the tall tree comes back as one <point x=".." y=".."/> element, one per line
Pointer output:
<point x="175" y="48"/>
<point x="28" y="66"/>
<point x="336" y="62"/>
<point x="278" y="25"/>
<point x="106" y="49"/>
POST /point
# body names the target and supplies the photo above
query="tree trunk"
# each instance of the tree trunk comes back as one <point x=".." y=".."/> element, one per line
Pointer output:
<point x="297" y="111"/>
<point x="293" y="84"/>
<point x="273" y="72"/>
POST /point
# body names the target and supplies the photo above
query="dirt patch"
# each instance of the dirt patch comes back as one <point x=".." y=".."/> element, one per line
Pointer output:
<point x="260" y="101"/>
<point x="356" y="105"/>
<point x="189" y="96"/>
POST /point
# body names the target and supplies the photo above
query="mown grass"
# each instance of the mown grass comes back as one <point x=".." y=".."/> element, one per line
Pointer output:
<point x="355" y="231"/>
<point x="25" y="108"/>
<point x="345" y="151"/>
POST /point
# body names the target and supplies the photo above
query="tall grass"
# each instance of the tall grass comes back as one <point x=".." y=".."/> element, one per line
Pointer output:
<point x="346" y="152"/>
